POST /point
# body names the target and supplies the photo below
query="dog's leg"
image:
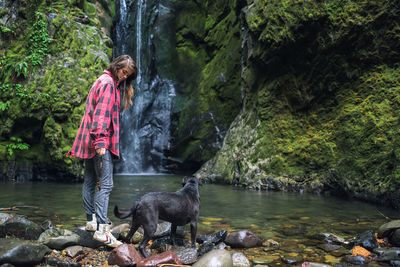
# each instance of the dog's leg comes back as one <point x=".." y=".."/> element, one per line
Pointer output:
<point x="193" y="231"/>
<point x="132" y="231"/>
<point x="149" y="230"/>
<point x="173" y="233"/>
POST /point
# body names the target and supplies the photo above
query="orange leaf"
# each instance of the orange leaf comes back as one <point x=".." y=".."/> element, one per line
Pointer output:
<point x="360" y="251"/>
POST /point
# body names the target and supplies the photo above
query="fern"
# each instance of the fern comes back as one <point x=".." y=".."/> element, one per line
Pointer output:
<point x="16" y="144"/>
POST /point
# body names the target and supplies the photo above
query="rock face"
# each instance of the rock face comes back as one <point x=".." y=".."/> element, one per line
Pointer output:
<point x="303" y="121"/>
<point x="59" y="57"/>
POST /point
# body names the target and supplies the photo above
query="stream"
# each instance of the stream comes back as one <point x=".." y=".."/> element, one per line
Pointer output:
<point x="288" y="218"/>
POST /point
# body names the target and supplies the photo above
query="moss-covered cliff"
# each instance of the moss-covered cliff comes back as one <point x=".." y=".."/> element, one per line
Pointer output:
<point x="51" y="52"/>
<point x="321" y="109"/>
<point x="206" y="66"/>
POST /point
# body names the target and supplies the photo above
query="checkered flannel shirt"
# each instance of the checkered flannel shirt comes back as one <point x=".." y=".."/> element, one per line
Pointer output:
<point x="100" y="123"/>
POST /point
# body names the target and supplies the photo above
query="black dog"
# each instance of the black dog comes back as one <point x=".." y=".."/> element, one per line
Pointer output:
<point x="178" y="208"/>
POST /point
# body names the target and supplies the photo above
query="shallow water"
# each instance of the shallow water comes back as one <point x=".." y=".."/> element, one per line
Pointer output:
<point x="284" y="217"/>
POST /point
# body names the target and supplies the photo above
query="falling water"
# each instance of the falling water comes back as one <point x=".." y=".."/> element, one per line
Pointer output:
<point x="145" y="128"/>
<point x="121" y="27"/>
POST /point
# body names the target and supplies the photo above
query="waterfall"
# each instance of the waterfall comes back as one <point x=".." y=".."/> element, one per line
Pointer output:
<point x="145" y="127"/>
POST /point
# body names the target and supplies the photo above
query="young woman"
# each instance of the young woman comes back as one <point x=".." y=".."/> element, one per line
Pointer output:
<point x="97" y="142"/>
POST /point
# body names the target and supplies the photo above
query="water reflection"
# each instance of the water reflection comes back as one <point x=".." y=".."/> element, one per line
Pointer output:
<point x="238" y="209"/>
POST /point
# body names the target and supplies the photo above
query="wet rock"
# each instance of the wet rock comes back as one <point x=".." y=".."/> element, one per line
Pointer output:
<point x="395" y="263"/>
<point x="166" y="240"/>
<point x="394" y="238"/>
<point x="329" y="247"/>
<point x="366" y="240"/>
<point x="214" y="238"/>
<point x="205" y="248"/>
<point x="5" y="217"/>
<point x="356" y="260"/>
<point x="58" y="238"/>
<point x="164" y="228"/>
<point x="137" y="236"/>
<point x="18" y="252"/>
<point x="242" y="239"/>
<point x="120" y="229"/>
<point x="74" y="251"/>
<point x="20" y="227"/>
<point x="86" y="238"/>
<point x="187" y="255"/>
<point x="386" y="229"/>
<point x="271" y="243"/>
<point x="292" y="259"/>
<point x="221" y="246"/>
<point x="124" y="255"/>
<point x="240" y="260"/>
<point x="339" y="253"/>
<point x="388" y="254"/>
<point x="215" y="258"/>
<point x="329" y="238"/>
<point x="314" y="264"/>
<point x="165" y="257"/>
<point x="52" y="261"/>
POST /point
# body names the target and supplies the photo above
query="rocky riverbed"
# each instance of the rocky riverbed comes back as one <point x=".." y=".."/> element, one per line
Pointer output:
<point x="24" y="242"/>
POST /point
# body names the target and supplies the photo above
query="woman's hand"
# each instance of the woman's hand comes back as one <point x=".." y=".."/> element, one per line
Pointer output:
<point x="101" y="151"/>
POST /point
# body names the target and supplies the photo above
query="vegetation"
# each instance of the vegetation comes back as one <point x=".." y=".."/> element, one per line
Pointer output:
<point x="50" y="57"/>
<point x="322" y="89"/>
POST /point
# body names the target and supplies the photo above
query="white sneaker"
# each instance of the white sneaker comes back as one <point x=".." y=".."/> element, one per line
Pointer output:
<point x="91" y="225"/>
<point x="104" y="236"/>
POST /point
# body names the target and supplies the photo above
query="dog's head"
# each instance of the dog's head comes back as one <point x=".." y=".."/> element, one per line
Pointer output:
<point x="190" y="180"/>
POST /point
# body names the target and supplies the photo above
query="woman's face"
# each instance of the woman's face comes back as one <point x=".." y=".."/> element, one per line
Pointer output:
<point x="124" y="73"/>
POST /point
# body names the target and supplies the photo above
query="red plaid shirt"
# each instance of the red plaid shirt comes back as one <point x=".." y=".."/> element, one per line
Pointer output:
<point x="100" y="123"/>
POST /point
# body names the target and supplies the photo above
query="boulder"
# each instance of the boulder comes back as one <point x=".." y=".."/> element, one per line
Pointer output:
<point x="386" y="229"/>
<point x="165" y="257"/>
<point x="242" y="239"/>
<point x="20" y="227"/>
<point x="394" y="238"/>
<point x="124" y="255"/>
<point x="59" y="238"/>
<point x="18" y="252"/>
<point x="86" y="238"/>
<point x="366" y="240"/>
<point x="215" y="258"/>
<point x="388" y="254"/>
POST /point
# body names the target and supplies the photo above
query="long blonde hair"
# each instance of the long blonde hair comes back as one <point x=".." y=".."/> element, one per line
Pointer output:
<point x="119" y="63"/>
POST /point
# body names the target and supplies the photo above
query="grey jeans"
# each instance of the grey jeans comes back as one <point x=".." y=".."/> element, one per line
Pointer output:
<point x="96" y="201"/>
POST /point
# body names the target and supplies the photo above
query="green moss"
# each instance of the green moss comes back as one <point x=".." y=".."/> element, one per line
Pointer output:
<point x="53" y="96"/>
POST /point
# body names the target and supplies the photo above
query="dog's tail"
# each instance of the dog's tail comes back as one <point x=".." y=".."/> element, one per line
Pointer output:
<point x="122" y="215"/>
